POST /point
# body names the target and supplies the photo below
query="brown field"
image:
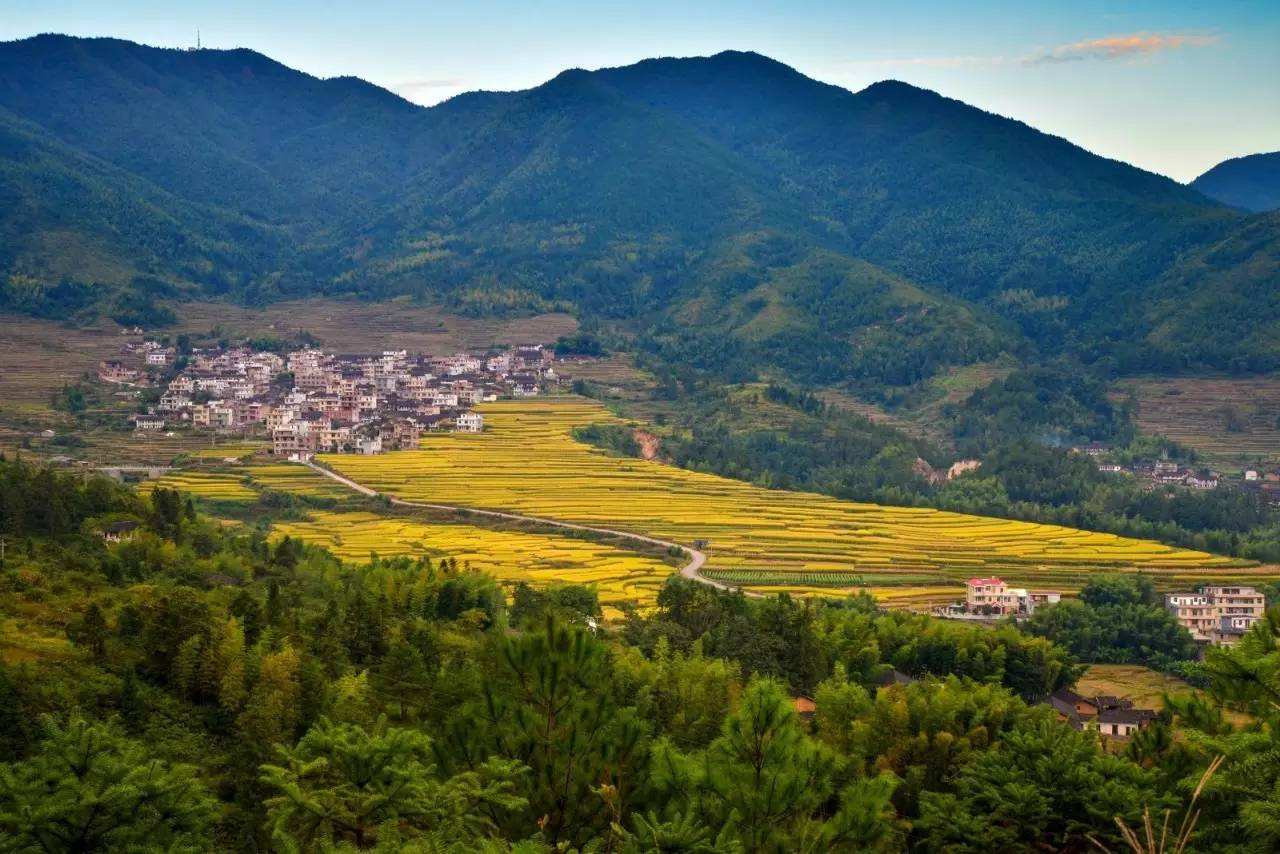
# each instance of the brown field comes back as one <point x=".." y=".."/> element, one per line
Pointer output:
<point x="37" y="357"/>
<point x="1146" y="687"/>
<point x="876" y="414"/>
<point x="615" y="373"/>
<point x="349" y="326"/>
<point x="1194" y="411"/>
<point x="1141" y="684"/>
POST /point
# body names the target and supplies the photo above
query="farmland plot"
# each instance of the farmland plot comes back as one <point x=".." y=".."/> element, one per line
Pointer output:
<point x="215" y="486"/>
<point x="510" y="556"/>
<point x="527" y="461"/>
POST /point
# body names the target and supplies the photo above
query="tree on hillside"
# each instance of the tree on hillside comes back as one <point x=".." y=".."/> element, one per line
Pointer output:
<point x="550" y="707"/>
<point x="765" y="780"/>
<point x="89" y="789"/>
<point x="90" y="631"/>
<point x="1241" y="802"/>
<point x="344" y="784"/>
<point x="1044" y="787"/>
<point x="402" y="678"/>
<point x="1117" y="619"/>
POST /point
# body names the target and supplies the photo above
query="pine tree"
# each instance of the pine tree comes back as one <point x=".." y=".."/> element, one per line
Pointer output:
<point x="345" y="784"/>
<point x="763" y="772"/>
<point x="401" y="677"/>
<point x="90" y="631"/>
<point x="184" y="676"/>
<point x="551" y="710"/>
<point x="14" y="723"/>
<point x="231" y="654"/>
<point x="88" y="789"/>
<point x="275" y="608"/>
<point x="133" y="707"/>
<point x="271" y="714"/>
<point x="246" y="609"/>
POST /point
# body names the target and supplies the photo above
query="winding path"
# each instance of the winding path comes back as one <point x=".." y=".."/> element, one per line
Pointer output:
<point x="689" y="570"/>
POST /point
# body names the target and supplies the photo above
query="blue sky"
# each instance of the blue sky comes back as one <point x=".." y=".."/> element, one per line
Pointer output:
<point x="1174" y="87"/>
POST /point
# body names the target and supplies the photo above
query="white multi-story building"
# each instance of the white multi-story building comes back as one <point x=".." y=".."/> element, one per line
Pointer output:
<point x="1194" y="611"/>
<point x="1217" y="613"/>
<point x="469" y="422"/>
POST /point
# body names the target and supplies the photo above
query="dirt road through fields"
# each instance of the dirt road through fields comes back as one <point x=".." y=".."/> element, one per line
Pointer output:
<point x="689" y="570"/>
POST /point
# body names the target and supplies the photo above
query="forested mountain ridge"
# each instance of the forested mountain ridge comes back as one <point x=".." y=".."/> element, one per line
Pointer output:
<point x="874" y="236"/>
<point x="1251" y="183"/>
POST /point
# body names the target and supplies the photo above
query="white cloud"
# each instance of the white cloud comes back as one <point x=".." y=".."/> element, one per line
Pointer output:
<point x="1119" y="47"/>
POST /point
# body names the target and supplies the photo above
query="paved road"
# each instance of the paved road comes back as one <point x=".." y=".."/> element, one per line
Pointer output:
<point x="689" y="570"/>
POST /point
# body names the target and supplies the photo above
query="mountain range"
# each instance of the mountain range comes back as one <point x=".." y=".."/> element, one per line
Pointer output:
<point x="1250" y="183"/>
<point x="738" y="210"/>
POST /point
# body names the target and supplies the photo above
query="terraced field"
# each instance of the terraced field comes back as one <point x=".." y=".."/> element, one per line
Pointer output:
<point x="1231" y="420"/>
<point x="215" y="486"/>
<point x="244" y="483"/>
<point x="234" y="451"/>
<point x="510" y="556"/>
<point x="286" y="477"/>
<point x="526" y="461"/>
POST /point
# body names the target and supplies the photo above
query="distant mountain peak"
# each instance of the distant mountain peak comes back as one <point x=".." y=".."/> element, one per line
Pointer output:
<point x="898" y="89"/>
<point x="1251" y="182"/>
<point x="747" y="57"/>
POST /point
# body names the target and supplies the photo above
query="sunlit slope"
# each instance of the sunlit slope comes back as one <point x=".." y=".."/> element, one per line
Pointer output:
<point x="527" y="461"/>
<point x="245" y="484"/>
<point x="510" y="556"/>
<point x="215" y="486"/>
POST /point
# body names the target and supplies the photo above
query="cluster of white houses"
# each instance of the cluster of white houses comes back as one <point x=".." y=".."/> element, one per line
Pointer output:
<point x="1216" y="614"/>
<point x="310" y="401"/>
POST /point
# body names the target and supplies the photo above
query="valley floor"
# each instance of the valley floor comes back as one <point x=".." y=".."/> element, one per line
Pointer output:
<point x="528" y="462"/>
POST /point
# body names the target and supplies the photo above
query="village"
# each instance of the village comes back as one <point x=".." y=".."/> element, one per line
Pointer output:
<point x="1157" y="473"/>
<point x="309" y="401"/>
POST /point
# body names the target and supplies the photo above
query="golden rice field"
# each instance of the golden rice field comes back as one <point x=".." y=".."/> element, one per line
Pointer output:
<point x="527" y="461"/>
<point x="215" y="486"/>
<point x="232" y="485"/>
<point x="510" y="556"/>
<point x="289" y="477"/>
<point x="229" y="452"/>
